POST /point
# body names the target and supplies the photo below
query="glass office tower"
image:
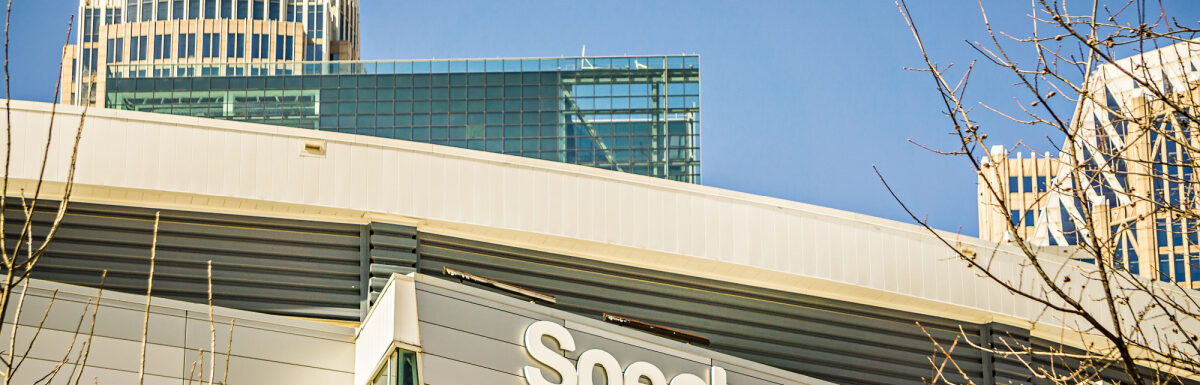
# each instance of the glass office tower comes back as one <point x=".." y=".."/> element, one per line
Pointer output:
<point x="632" y="114"/>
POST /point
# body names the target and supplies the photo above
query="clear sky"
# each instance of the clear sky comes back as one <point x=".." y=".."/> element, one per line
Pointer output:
<point x="800" y="98"/>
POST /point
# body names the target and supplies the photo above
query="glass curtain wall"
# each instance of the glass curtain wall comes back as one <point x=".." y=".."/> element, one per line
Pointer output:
<point x="631" y="114"/>
<point x="400" y="369"/>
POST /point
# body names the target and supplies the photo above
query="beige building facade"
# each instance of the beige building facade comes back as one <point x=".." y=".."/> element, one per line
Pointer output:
<point x="1130" y="162"/>
<point x="1012" y="192"/>
<point x="119" y="35"/>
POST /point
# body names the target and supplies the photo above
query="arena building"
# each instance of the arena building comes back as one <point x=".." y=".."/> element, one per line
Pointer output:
<point x="350" y="259"/>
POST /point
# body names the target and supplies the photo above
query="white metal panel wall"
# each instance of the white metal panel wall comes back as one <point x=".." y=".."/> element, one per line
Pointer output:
<point x="457" y="348"/>
<point x="266" y="349"/>
<point x="226" y="159"/>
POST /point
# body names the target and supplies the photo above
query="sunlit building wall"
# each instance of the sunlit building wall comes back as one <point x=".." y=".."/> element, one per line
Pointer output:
<point x="201" y="32"/>
<point x="1135" y="174"/>
<point x="638" y="114"/>
<point x="1021" y="182"/>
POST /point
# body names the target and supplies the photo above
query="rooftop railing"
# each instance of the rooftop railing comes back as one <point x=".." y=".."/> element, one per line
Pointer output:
<point x="429" y="66"/>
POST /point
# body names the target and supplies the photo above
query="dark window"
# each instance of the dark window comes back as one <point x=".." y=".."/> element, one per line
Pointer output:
<point x="147" y="10"/>
<point x="1041" y="184"/>
<point x="212" y="45"/>
<point x="162" y="46"/>
<point x="1014" y="184"/>
<point x="260" y="45"/>
<point x="316" y="21"/>
<point x="177" y="10"/>
<point x="187" y="45"/>
<point x="91" y="24"/>
<point x="273" y="13"/>
<point x="258" y="9"/>
<point x="1164" y="268"/>
<point x="283" y="47"/>
<point x="137" y="48"/>
<point x="235" y="45"/>
<point x="113" y="16"/>
<point x="210" y="9"/>
<point x="116" y="48"/>
<point x="89" y="60"/>
<point x="227" y="9"/>
<point x="1160" y="232"/>
<point x="313" y="52"/>
<point x="243" y="9"/>
<point x="193" y="9"/>
<point x="162" y="10"/>
<point x="1194" y="266"/>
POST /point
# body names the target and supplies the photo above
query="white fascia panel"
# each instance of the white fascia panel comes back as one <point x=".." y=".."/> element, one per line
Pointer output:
<point x="392" y="321"/>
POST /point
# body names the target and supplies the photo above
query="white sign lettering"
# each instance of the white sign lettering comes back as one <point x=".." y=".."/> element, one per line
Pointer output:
<point x="582" y="374"/>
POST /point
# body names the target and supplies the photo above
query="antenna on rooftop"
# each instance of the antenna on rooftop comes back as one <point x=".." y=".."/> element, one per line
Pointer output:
<point x="584" y="63"/>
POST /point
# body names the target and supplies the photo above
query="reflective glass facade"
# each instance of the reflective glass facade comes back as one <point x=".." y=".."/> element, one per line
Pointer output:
<point x="631" y="114"/>
<point x="399" y="369"/>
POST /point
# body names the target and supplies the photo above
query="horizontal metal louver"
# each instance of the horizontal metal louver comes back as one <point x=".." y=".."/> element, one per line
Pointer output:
<point x="837" y="341"/>
<point x="332" y="270"/>
<point x="392" y="250"/>
<point x="277" y="266"/>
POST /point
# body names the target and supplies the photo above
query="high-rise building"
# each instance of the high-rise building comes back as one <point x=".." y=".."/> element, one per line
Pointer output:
<point x="202" y="32"/>
<point x="1131" y="160"/>
<point x="1021" y="182"/>
<point x="637" y="114"/>
<point x="295" y="63"/>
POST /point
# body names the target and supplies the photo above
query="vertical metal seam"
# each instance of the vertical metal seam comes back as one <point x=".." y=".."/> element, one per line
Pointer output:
<point x="988" y="366"/>
<point x="364" y="270"/>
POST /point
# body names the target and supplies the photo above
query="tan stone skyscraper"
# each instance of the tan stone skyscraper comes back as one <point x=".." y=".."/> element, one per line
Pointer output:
<point x="203" y="31"/>
<point x="1023" y="183"/>
<point x="1128" y="174"/>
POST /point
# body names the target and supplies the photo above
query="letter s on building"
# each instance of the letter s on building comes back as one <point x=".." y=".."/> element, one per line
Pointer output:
<point x="547" y="356"/>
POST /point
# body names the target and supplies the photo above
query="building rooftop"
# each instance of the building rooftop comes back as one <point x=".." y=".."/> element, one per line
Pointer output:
<point x="177" y="162"/>
<point x="436" y="66"/>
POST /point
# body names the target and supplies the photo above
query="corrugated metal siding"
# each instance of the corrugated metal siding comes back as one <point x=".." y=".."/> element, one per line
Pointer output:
<point x="331" y="270"/>
<point x="835" y="341"/>
<point x="286" y="267"/>
<point x="392" y="250"/>
<point x="1111" y="372"/>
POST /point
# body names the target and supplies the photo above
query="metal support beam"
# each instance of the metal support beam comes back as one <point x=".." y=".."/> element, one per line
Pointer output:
<point x="574" y="108"/>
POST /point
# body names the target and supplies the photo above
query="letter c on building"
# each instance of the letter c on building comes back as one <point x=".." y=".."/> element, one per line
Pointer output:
<point x="596" y="357"/>
<point x="687" y="379"/>
<point x="547" y="356"/>
<point x="640" y="369"/>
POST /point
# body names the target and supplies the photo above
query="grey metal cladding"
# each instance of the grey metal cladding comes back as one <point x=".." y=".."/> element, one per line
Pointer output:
<point x="483" y="343"/>
<point x="482" y="332"/>
<point x="392" y="249"/>
<point x="332" y="270"/>
<point x="831" y="340"/>
<point x="438" y="370"/>
<point x="286" y="267"/>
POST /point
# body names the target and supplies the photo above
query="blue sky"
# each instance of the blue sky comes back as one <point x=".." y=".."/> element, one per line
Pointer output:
<point x="800" y="98"/>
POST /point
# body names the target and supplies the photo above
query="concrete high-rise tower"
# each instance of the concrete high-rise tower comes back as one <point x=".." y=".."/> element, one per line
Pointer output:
<point x="203" y="31"/>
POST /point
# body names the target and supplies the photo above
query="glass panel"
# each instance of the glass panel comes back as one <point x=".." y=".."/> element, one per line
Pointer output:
<point x="511" y="105"/>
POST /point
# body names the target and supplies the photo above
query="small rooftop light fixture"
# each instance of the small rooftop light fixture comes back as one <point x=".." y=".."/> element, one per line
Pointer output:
<point x="313" y="148"/>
